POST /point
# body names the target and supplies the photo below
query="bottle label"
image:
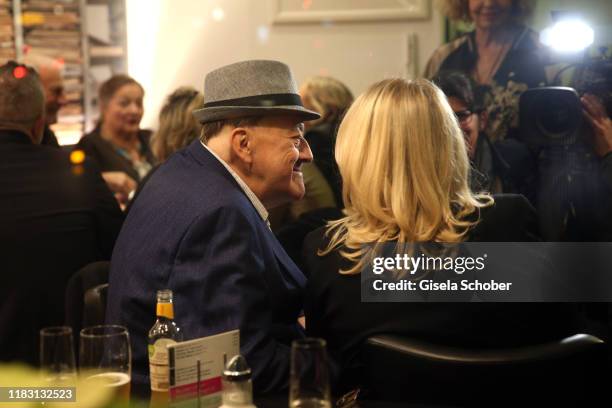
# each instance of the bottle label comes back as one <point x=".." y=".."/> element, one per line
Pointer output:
<point x="165" y="310"/>
<point x="158" y="364"/>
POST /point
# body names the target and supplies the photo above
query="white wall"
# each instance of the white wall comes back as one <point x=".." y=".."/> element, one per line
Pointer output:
<point x="176" y="42"/>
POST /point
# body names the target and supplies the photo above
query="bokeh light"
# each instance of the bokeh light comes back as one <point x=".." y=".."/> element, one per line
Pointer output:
<point x="20" y="72"/>
<point x="572" y="35"/>
<point x="59" y="63"/>
<point x="263" y="33"/>
<point x="218" y="14"/>
<point x="77" y="157"/>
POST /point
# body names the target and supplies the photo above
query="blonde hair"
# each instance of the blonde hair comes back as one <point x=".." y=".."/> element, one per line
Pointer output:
<point x="327" y="96"/>
<point x="459" y="9"/>
<point x="404" y="167"/>
<point x="177" y="125"/>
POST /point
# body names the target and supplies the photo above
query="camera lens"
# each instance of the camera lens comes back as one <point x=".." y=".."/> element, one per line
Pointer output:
<point x="555" y="116"/>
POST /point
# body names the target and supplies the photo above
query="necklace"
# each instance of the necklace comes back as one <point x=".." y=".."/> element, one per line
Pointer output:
<point x="483" y="79"/>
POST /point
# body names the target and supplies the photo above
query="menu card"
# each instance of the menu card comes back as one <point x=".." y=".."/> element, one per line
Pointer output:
<point x="196" y="367"/>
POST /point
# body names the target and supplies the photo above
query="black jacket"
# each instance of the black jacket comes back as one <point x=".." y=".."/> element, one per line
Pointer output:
<point x="108" y="158"/>
<point x="334" y="310"/>
<point x="55" y="217"/>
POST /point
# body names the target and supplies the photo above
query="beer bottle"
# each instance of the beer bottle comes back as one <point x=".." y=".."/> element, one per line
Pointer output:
<point x="164" y="332"/>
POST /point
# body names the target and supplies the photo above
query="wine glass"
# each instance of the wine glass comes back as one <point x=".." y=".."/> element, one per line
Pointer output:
<point x="57" y="354"/>
<point x="105" y="355"/>
<point x="309" y="376"/>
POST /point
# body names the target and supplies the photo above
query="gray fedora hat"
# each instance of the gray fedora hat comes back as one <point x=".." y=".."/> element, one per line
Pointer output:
<point x="251" y="88"/>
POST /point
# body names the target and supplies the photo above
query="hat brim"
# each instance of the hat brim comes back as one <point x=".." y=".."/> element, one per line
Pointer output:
<point x="216" y="113"/>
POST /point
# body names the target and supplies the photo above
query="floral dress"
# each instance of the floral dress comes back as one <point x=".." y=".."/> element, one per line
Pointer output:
<point x="523" y="67"/>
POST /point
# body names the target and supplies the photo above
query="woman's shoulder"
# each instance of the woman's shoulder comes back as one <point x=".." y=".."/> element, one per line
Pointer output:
<point x="91" y="140"/>
<point x="322" y="267"/>
<point x="442" y="53"/>
<point x="527" y="38"/>
<point x="315" y="241"/>
<point x="508" y="206"/>
<point x="511" y="217"/>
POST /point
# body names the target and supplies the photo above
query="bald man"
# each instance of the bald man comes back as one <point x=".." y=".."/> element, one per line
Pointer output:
<point x="50" y="74"/>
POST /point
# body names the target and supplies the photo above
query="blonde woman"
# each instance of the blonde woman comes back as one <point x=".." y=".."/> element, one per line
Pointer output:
<point x="404" y="167"/>
<point x="330" y="98"/>
<point x="177" y="125"/>
<point x="177" y="128"/>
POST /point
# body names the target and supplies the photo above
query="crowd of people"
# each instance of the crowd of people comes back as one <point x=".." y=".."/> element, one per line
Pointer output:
<point x="209" y="205"/>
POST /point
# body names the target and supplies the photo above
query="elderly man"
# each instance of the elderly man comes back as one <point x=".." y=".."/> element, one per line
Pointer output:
<point x="55" y="217"/>
<point x="199" y="227"/>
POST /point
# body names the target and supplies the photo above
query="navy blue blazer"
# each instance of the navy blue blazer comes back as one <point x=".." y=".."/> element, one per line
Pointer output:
<point x="194" y="231"/>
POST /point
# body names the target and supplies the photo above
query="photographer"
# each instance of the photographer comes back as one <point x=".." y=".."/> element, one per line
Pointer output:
<point x="601" y="124"/>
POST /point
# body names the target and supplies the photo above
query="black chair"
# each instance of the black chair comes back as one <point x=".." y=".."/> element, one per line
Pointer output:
<point x="404" y="369"/>
<point x="94" y="309"/>
<point x="80" y="313"/>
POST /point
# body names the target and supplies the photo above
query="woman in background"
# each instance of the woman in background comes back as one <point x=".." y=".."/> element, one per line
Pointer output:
<point x="330" y="98"/>
<point x="177" y="125"/>
<point x="118" y="144"/>
<point x="405" y="175"/>
<point x="501" y="54"/>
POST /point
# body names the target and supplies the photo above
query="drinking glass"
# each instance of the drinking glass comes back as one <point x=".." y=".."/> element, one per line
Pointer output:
<point x="105" y="355"/>
<point x="309" y="377"/>
<point x="57" y="354"/>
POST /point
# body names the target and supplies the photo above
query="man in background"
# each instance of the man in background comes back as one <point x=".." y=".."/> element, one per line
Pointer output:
<point x="50" y="74"/>
<point x="56" y="216"/>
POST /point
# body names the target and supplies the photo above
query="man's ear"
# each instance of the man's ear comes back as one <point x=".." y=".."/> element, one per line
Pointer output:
<point x="241" y="145"/>
<point x="484" y="119"/>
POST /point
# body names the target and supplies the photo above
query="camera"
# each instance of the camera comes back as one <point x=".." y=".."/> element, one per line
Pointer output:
<point x="550" y="116"/>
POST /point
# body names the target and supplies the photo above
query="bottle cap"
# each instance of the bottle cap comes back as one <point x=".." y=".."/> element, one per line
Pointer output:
<point x="237" y="369"/>
<point x="164" y="295"/>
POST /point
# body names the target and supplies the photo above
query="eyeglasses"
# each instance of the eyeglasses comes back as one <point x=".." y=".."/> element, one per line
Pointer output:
<point x="464" y="116"/>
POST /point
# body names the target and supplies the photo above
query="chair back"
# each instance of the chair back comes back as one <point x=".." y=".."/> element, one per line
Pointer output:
<point x="94" y="310"/>
<point x="565" y="370"/>
<point x="78" y="314"/>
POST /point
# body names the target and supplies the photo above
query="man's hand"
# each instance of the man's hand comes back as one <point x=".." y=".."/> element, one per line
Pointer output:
<point x="120" y="184"/>
<point x="600" y="122"/>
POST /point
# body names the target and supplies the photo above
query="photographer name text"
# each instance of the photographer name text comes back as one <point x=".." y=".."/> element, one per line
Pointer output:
<point x="449" y="285"/>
